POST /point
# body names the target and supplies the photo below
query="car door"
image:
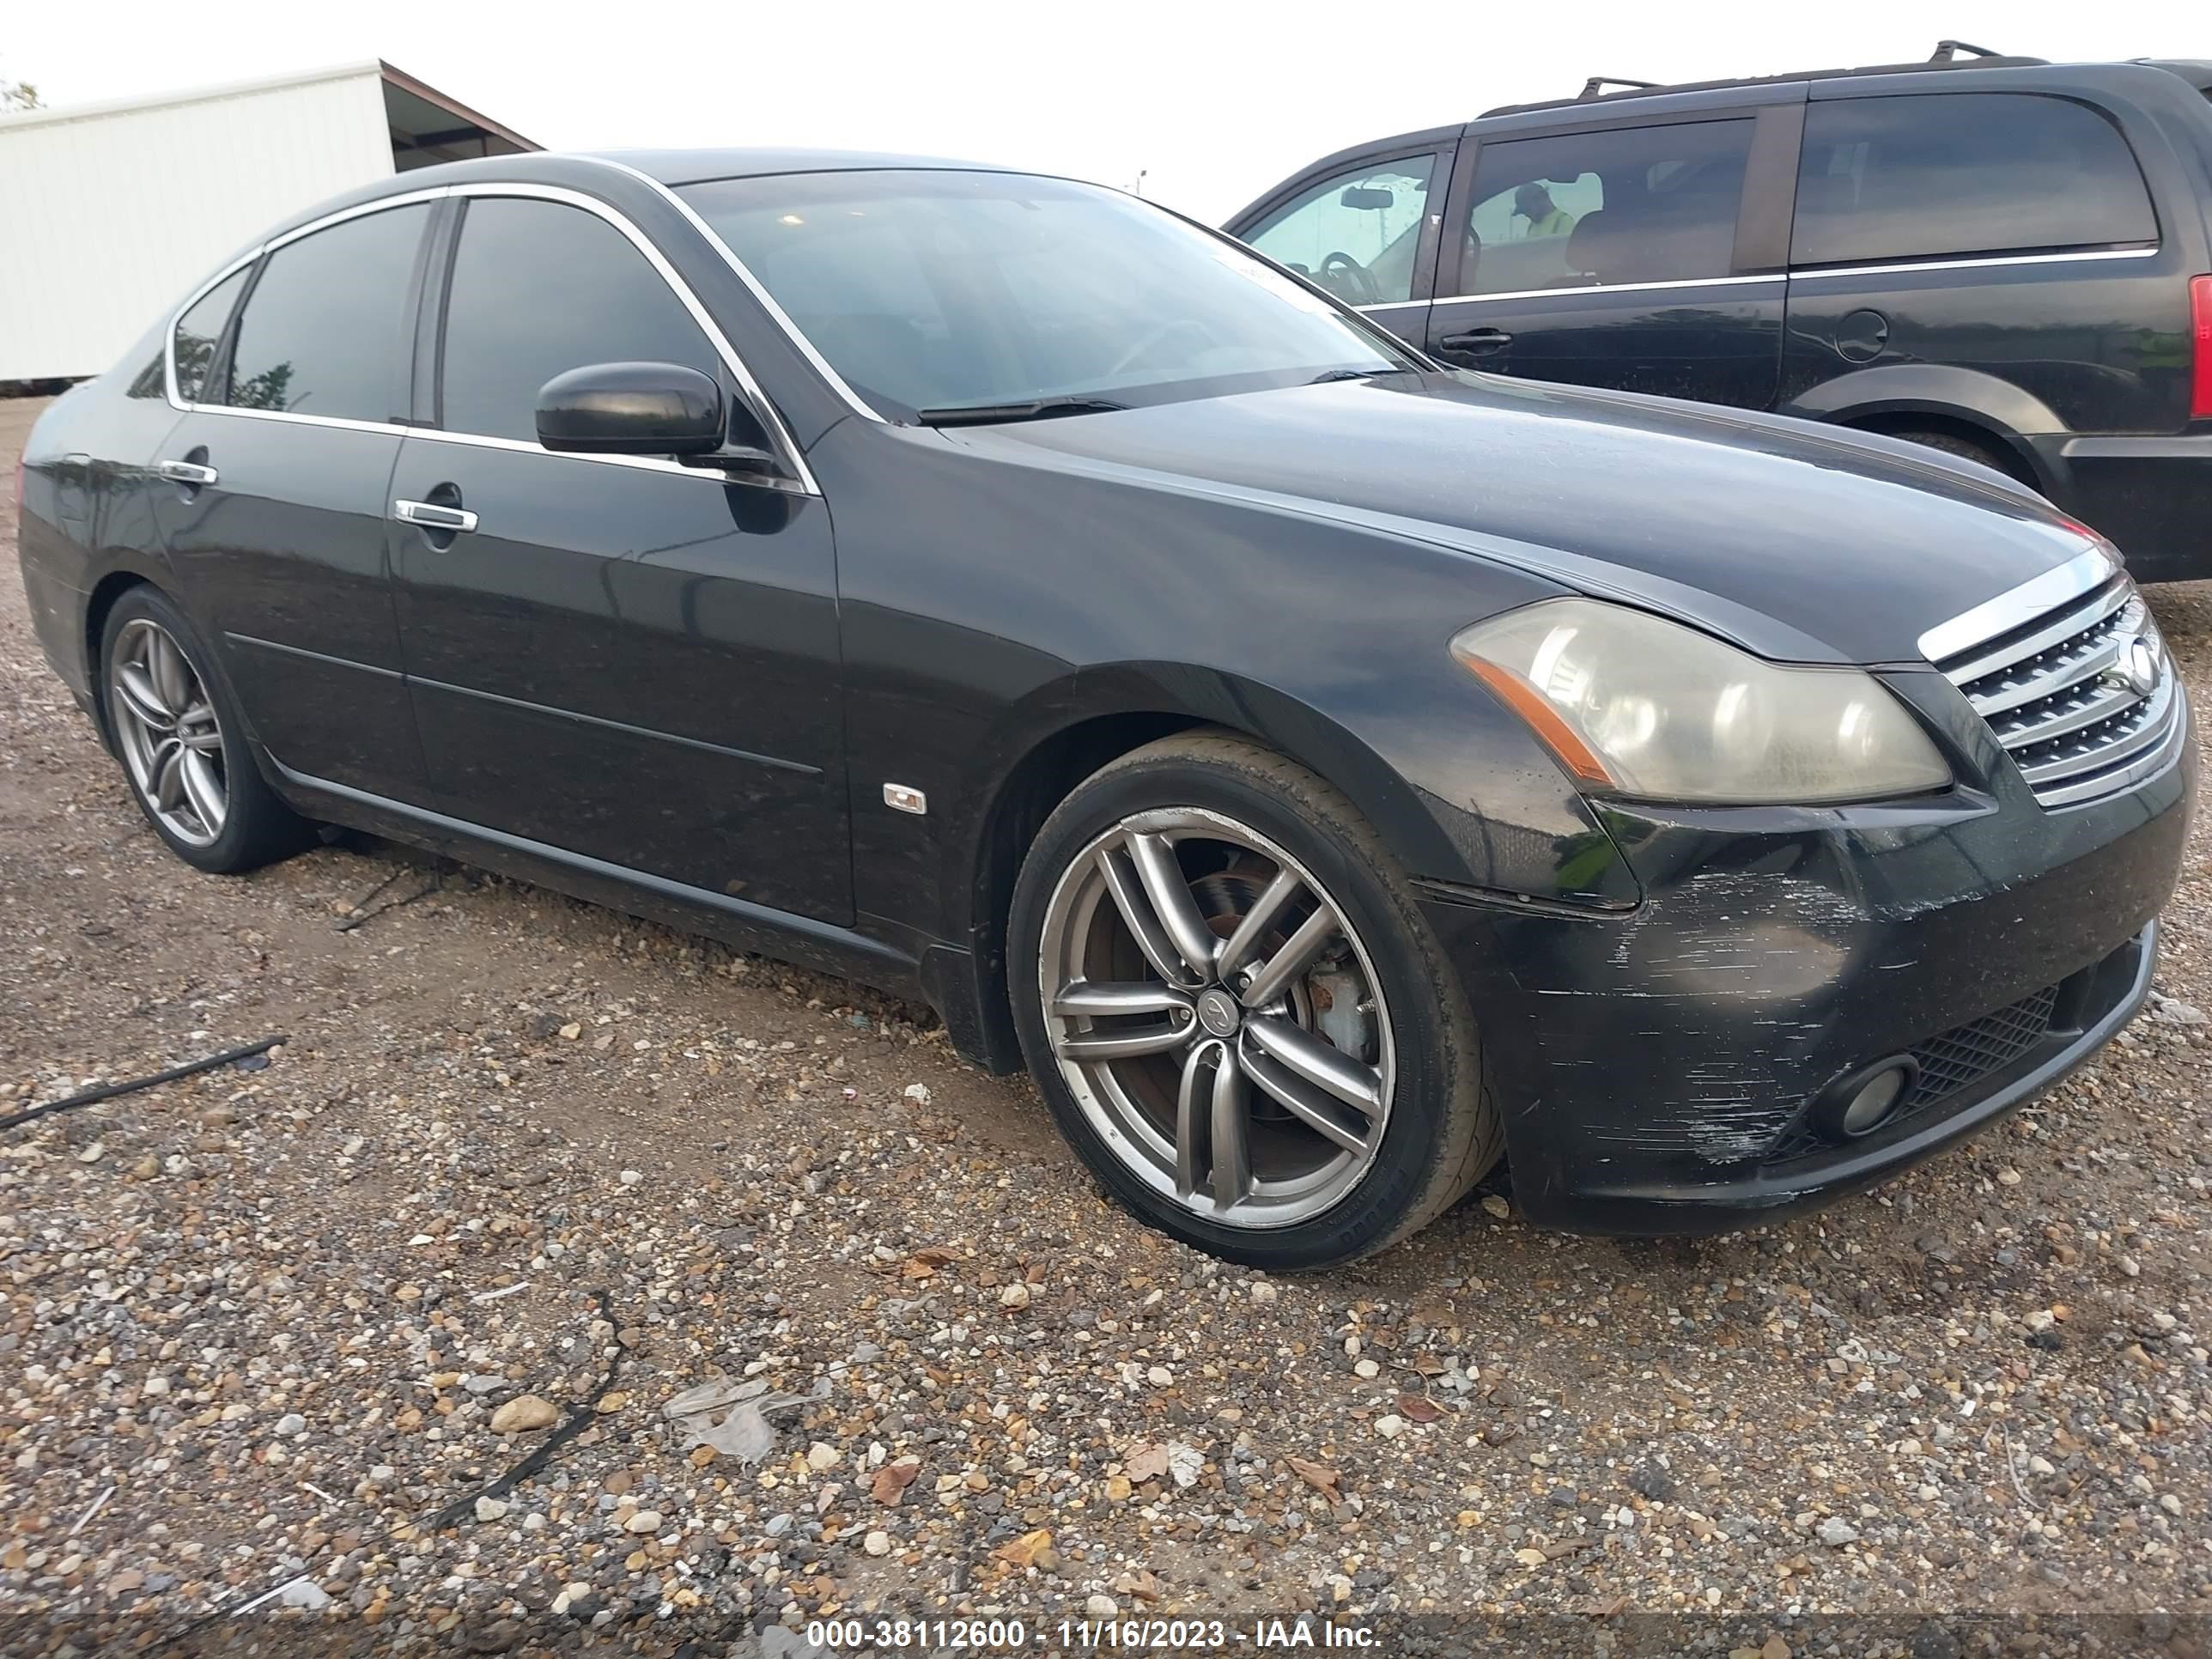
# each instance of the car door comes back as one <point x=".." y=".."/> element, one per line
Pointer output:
<point x="1646" y="257"/>
<point x="274" y="486"/>
<point x="1364" y="231"/>
<point x="616" y="656"/>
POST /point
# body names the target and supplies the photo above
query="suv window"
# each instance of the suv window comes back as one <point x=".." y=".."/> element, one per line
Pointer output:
<point x="539" y="288"/>
<point x="1907" y="177"/>
<point x="1357" y="234"/>
<point x="1642" y="204"/>
<point x="200" y="328"/>
<point x="320" y="334"/>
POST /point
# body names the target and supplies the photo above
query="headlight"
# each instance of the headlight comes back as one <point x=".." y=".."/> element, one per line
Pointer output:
<point x="1635" y="706"/>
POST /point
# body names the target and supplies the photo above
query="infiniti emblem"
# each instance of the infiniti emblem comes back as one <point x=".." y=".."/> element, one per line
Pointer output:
<point x="2137" y="666"/>
<point x="1218" y="1013"/>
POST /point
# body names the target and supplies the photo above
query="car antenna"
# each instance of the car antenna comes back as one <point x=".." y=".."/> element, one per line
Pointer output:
<point x="1595" y="86"/>
<point x="1946" y="51"/>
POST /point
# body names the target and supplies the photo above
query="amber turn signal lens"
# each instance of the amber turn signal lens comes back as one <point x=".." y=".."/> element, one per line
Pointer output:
<point x="1526" y="701"/>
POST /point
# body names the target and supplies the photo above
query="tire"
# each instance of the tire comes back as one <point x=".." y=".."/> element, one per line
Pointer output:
<point x="1350" y="1094"/>
<point x="1988" y="454"/>
<point x="176" y="728"/>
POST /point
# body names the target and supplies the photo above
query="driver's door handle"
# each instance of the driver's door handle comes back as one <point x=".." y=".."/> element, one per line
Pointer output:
<point x="431" y="515"/>
<point x="1476" y="341"/>
<point x="190" y="474"/>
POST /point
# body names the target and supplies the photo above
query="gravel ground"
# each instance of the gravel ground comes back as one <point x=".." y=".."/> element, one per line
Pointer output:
<point x="524" y="1159"/>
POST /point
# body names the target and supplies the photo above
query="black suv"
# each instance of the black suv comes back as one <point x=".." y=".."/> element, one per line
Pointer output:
<point x="1998" y="256"/>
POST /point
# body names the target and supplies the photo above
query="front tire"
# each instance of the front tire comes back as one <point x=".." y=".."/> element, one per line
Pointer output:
<point x="1237" y="1012"/>
<point x="178" y="734"/>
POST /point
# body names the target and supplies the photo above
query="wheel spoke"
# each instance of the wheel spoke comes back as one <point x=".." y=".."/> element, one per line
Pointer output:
<point x="1089" y="1047"/>
<point x="1231" y="1176"/>
<point x="166" y="665"/>
<point x="1352" y="1081"/>
<point x="1318" y="1111"/>
<point x="1103" y="997"/>
<point x="1128" y="894"/>
<point x="1274" y="976"/>
<point x="1240" y="945"/>
<point x="1192" y="1111"/>
<point x="1168" y="890"/>
<point x="166" y="766"/>
<point x="140" y="696"/>
<point x="205" y="788"/>
<point x="197" y="728"/>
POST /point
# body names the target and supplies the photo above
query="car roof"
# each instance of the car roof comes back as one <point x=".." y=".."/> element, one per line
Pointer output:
<point x="691" y="166"/>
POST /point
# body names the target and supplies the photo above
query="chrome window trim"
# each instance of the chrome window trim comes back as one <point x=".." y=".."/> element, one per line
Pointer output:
<point x="1885" y="267"/>
<point x="804" y="480"/>
<point x="1393" y="305"/>
<point x="753" y="284"/>
<point x="2018" y="606"/>
<point x="1608" y="288"/>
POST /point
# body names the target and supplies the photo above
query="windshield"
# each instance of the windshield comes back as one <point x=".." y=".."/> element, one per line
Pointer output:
<point x="936" y="291"/>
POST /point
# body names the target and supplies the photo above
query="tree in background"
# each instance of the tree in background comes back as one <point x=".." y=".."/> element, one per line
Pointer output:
<point x="18" y="94"/>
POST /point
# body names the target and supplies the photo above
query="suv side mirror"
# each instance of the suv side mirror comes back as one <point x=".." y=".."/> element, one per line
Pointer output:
<point x="1367" y="196"/>
<point x="632" y="408"/>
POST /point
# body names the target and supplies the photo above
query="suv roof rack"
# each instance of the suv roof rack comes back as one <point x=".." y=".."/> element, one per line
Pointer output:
<point x="1947" y="56"/>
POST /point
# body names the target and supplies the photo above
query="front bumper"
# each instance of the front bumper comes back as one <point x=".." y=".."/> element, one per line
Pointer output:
<point x="1656" y="1065"/>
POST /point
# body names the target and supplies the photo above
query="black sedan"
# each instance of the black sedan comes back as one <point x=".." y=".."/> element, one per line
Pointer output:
<point x="1328" y="773"/>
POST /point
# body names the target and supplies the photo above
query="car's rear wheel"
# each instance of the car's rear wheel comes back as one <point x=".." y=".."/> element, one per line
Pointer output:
<point x="181" y="741"/>
<point x="1237" y="1012"/>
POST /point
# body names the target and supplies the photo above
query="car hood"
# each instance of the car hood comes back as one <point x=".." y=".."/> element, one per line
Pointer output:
<point x="1800" y="541"/>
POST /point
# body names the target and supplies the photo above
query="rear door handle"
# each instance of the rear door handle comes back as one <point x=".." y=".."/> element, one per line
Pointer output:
<point x="191" y="473"/>
<point x="431" y="516"/>
<point x="1477" y="341"/>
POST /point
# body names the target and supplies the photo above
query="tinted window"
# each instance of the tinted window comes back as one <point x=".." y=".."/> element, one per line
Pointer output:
<point x="322" y="330"/>
<point x="200" y="329"/>
<point x="1649" y="204"/>
<point x="1356" y="234"/>
<point x="1962" y="172"/>
<point x="538" y="289"/>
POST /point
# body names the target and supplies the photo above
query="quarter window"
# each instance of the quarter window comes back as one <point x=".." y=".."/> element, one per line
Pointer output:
<point x="199" y="329"/>
<point x="538" y="288"/>
<point x="1357" y="234"/>
<point x="1643" y="204"/>
<point x="1962" y="172"/>
<point x="323" y="330"/>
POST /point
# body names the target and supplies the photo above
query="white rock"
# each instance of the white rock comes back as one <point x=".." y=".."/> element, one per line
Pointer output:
<point x="631" y="1177"/>
<point x="1016" y="1295"/>
<point x="491" y="1509"/>
<point x="1367" y="1368"/>
<point x="93" y="1153"/>
<point x="643" y="1520"/>
<point x="878" y="1542"/>
<point x="1099" y="1609"/>
<point x="1160" y="1378"/>
<point x="291" y="1424"/>
<point x="1264" y="1293"/>
<point x="918" y="1093"/>
<point x="1836" y="1532"/>
<point x="823" y="1455"/>
<point x="1390" y="1427"/>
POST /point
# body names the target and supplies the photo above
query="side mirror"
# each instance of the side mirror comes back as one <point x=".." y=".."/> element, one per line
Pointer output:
<point x="1367" y="196"/>
<point x="632" y="408"/>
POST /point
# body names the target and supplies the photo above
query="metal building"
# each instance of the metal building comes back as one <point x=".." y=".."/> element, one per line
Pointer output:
<point x="109" y="211"/>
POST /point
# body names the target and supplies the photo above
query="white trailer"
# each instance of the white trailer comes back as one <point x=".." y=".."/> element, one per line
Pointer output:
<point x="109" y="211"/>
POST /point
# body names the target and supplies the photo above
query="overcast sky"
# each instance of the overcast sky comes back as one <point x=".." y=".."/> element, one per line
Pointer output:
<point x="1214" y="100"/>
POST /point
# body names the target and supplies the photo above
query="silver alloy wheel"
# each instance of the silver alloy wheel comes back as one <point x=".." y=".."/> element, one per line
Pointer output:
<point x="1216" y="1018"/>
<point x="165" y="726"/>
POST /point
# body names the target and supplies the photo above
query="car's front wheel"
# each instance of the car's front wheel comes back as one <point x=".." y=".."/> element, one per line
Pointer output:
<point x="1237" y="1013"/>
<point x="181" y="739"/>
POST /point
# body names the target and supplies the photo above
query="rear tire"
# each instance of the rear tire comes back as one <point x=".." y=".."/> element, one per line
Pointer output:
<point x="1990" y="455"/>
<point x="1283" y="1118"/>
<point x="177" y="731"/>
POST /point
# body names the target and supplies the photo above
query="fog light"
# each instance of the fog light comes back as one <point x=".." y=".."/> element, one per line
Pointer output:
<point x="1861" y="1103"/>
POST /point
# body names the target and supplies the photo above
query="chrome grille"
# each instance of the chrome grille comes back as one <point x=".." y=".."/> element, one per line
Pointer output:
<point x="2081" y="693"/>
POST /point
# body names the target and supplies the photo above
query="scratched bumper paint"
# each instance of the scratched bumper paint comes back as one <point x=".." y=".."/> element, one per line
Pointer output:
<point x="1662" y="1056"/>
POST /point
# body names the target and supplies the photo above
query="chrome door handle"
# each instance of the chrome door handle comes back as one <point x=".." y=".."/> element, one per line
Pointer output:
<point x="187" y="472"/>
<point x="431" y="516"/>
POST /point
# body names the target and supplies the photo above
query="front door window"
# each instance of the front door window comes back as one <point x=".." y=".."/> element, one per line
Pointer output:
<point x="1358" y="234"/>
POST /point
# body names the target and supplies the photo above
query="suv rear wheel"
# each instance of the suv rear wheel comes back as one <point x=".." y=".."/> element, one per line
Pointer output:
<point x="1237" y="1012"/>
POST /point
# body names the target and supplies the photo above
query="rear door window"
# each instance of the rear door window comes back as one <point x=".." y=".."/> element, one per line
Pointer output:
<point x="323" y="331"/>
<point x="1358" y="234"/>
<point x="1585" y="210"/>
<point x="200" y="329"/>
<point x="1933" y="175"/>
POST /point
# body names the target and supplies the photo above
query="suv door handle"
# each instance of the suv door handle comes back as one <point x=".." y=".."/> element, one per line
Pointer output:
<point x="1476" y="341"/>
<point x="431" y="516"/>
<point x="189" y="473"/>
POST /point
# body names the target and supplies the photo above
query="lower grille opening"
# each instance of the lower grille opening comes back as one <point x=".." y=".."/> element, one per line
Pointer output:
<point x="1950" y="1062"/>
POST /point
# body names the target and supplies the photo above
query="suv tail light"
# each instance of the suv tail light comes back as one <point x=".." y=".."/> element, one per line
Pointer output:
<point x="2200" y="334"/>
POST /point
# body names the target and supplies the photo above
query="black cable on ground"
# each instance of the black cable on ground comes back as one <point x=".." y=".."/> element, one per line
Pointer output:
<point x="109" y="1090"/>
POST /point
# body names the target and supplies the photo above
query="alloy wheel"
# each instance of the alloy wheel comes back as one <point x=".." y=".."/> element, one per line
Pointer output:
<point x="166" y="725"/>
<point x="1216" y="1018"/>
